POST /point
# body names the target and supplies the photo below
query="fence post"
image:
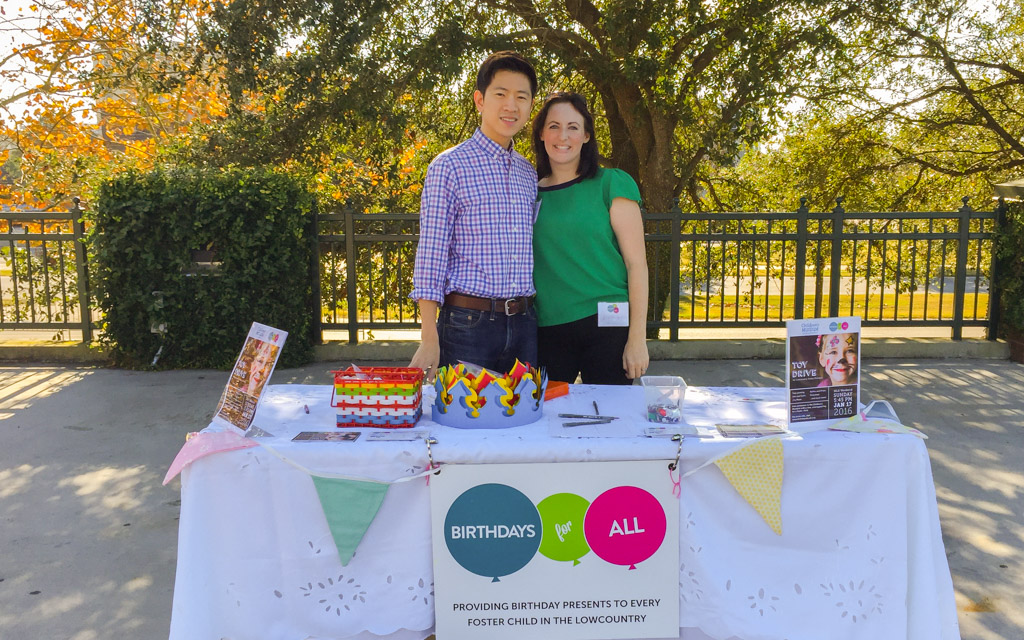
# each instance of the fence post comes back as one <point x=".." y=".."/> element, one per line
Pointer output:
<point x="316" y="328"/>
<point x="994" y="294"/>
<point x="675" y="247"/>
<point x="350" y="274"/>
<point x="801" y="260"/>
<point x="78" y="227"/>
<point x="960" y="275"/>
<point x="835" y="271"/>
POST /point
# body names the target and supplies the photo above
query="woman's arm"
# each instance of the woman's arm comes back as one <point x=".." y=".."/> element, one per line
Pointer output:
<point x="628" y="226"/>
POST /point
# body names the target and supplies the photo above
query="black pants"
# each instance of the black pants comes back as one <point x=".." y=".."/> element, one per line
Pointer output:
<point x="581" y="347"/>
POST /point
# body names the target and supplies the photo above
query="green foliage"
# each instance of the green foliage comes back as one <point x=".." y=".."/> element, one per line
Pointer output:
<point x="143" y="228"/>
<point x="44" y="283"/>
<point x="1010" y="270"/>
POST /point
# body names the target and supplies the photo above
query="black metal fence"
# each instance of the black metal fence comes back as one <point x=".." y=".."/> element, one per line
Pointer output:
<point x="711" y="269"/>
<point x="721" y="269"/>
<point x="44" y="280"/>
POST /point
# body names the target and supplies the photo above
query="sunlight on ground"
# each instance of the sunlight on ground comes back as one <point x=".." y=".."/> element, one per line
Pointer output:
<point x="1006" y="483"/>
<point x="68" y="604"/>
<point x="19" y="386"/>
<point x="108" y="488"/>
<point x="16" y="480"/>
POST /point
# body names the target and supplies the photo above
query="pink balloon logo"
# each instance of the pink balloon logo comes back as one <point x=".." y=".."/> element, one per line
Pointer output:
<point x="625" y="526"/>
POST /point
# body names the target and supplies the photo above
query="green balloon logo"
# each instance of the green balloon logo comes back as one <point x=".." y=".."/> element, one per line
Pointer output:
<point x="561" y="517"/>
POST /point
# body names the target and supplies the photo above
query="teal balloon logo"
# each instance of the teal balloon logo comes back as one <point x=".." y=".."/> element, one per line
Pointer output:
<point x="562" y="517"/>
<point x="492" y="530"/>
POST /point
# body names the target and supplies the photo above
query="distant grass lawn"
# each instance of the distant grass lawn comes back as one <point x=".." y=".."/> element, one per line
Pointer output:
<point x="904" y="306"/>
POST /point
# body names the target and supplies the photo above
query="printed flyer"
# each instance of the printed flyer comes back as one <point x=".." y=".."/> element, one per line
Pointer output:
<point x="823" y="367"/>
<point x="555" y="550"/>
<point x="252" y="370"/>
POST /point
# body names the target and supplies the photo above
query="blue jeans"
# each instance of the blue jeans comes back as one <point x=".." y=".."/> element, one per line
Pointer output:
<point x="491" y="340"/>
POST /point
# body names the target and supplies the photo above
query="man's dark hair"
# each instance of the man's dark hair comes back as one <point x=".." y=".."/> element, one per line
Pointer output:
<point x="588" y="152"/>
<point x="505" y="61"/>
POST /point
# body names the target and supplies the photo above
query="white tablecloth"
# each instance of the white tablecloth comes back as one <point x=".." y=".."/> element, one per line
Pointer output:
<point x="861" y="555"/>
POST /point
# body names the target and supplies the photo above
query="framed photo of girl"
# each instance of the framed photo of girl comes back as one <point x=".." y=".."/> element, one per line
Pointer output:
<point x="250" y="374"/>
<point x="822" y="369"/>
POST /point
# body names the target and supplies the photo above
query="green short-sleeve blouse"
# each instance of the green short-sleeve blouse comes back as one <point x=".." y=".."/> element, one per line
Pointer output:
<point x="577" y="262"/>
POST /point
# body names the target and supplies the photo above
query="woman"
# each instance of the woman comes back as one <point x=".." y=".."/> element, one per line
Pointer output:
<point x="259" y="369"/>
<point x="837" y="355"/>
<point x="590" y="267"/>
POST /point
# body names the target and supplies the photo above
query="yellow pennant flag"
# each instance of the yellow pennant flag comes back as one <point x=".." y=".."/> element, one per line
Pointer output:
<point x="755" y="471"/>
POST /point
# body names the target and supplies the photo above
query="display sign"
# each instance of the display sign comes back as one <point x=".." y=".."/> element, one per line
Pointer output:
<point x="823" y="369"/>
<point x="249" y="376"/>
<point x="559" y="550"/>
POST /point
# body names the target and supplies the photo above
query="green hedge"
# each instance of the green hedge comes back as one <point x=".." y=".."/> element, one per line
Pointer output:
<point x="1010" y="270"/>
<point x="143" y="228"/>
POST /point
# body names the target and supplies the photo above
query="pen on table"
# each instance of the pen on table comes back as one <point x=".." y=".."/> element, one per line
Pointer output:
<point x="596" y="410"/>
<point x="306" y="407"/>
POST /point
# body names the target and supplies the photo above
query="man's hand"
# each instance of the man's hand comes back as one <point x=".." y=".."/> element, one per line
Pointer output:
<point x="426" y="358"/>
<point x="429" y="352"/>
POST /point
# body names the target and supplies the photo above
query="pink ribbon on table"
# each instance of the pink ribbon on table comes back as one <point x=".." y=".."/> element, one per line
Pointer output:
<point x="203" y="444"/>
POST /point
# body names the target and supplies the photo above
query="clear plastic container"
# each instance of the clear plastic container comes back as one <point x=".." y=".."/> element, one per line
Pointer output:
<point x="663" y="396"/>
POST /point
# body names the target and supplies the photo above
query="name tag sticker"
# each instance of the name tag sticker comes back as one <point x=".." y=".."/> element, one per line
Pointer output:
<point x="613" y="314"/>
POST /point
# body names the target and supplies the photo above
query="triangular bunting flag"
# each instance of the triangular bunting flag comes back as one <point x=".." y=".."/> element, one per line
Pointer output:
<point x="755" y="471"/>
<point x="349" y="506"/>
<point x="203" y="444"/>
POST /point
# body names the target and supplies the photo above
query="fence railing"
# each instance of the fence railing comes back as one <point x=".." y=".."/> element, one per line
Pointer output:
<point x="44" y="281"/>
<point x="911" y="269"/>
<point x="711" y="269"/>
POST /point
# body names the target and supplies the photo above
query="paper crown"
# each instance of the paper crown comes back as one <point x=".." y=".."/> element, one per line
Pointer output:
<point x="472" y="398"/>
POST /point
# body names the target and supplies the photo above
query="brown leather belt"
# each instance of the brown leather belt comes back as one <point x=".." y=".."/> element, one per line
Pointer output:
<point x="507" y="306"/>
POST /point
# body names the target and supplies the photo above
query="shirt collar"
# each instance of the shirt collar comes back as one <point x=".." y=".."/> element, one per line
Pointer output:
<point x="489" y="146"/>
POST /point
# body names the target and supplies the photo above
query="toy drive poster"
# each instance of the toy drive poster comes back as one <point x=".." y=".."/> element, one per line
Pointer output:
<point x="823" y="368"/>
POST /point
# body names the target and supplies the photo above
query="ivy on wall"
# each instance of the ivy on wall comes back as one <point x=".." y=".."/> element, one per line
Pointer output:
<point x="143" y="230"/>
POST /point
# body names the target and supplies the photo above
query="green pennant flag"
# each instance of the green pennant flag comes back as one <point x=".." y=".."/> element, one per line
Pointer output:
<point x="349" y="506"/>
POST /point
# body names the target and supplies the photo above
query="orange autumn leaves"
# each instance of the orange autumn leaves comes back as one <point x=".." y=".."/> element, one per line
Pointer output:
<point x="99" y="90"/>
<point x="92" y="87"/>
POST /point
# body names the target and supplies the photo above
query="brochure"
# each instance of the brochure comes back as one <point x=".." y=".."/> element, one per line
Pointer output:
<point x="823" y="369"/>
<point x="395" y="435"/>
<point x="327" y="436"/>
<point x="750" y="430"/>
<point x="252" y="370"/>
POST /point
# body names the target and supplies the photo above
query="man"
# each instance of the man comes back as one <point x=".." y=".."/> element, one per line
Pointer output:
<point x="475" y="255"/>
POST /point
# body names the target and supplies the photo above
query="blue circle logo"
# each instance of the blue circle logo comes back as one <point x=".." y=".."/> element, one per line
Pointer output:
<point x="492" y="530"/>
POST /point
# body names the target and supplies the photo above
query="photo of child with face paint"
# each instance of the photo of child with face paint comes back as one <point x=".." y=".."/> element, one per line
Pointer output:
<point x="823" y="363"/>
<point x="837" y="357"/>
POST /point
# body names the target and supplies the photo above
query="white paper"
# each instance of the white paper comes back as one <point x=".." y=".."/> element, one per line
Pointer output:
<point x="613" y="314"/>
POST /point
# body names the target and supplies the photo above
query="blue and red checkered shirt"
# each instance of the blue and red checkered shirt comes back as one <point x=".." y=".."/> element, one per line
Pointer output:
<point x="476" y="223"/>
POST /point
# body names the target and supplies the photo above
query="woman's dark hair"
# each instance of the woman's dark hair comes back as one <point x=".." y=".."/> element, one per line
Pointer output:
<point x="505" y="61"/>
<point x="588" y="153"/>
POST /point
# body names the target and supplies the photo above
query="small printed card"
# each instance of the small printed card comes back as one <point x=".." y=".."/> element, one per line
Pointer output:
<point x="684" y="430"/>
<point x="392" y="435"/>
<point x="750" y="430"/>
<point x="327" y="436"/>
<point x="613" y="314"/>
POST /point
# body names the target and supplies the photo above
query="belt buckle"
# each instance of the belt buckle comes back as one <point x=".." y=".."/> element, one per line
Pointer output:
<point x="509" y="301"/>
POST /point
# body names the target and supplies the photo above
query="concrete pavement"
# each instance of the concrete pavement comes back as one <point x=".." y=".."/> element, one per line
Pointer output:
<point x="89" y="535"/>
